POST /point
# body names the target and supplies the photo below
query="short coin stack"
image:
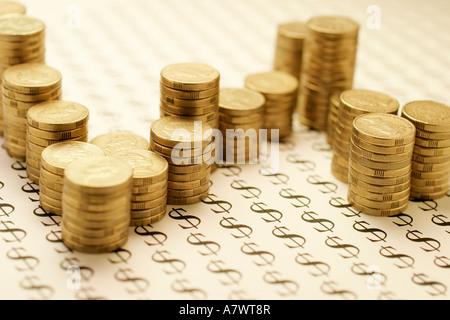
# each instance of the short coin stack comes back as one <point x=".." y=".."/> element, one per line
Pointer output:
<point x="96" y="202"/>
<point x="11" y="7"/>
<point x="289" y="48"/>
<point x="380" y="172"/>
<point x="149" y="197"/>
<point x="51" y="122"/>
<point x="431" y="157"/>
<point x="328" y="66"/>
<point x="55" y="158"/>
<point x="241" y="116"/>
<point x="280" y="90"/>
<point x="113" y="142"/>
<point x="187" y="147"/>
<point x="352" y="103"/>
<point x="25" y="85"/>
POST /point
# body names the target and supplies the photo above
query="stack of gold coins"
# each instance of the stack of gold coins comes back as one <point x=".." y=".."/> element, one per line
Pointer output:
<point x="431" y="157"/>
<point x="328" y="66"/>
<point x="280" y="90"/>
<point x="190" y="90"/>
<point x="241" y="116"/>
<point x="352" y="103"/>
<point x="187" y="147"/>
<point x="380" y="166"/>
<point x="55" y="158"/>
<point x="332" y="119"/>
<point x="96" y="201"/>
<point x="22" y="39"/>
<point x="51" y="122"/>
<point x="25" y="85"/>
<point x="114" y="142"/>
<point x="289" y="48"/>
<point x="149" y="197"/>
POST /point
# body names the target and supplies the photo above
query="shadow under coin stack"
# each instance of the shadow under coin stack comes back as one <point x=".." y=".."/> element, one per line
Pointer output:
<point x="353" y="103"/>
<point x="55" y="158"/>
<point x="328" y="66"/>
<point x="22" y="39"/>
<point x="51" y="122"/>
<point x="25" y="85"/>
<point x="280" y="90"/>
<point x="96" y="202"/>
<point x="241" y="111"/>
<point x="114" y="142"/>
<point x="149" y="197"/>
<point x="187" y="147"/>
<point x="380" y="178"/>
<point x="431" y="157"/>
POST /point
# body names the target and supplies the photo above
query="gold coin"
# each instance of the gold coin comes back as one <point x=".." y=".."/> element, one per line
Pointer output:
<point x="234" y="120"/>
<point x="406" y="148"/>
<point x="114" y="142"/>
<point x="184" y="103"/>
<point x="49" y="183"/>
<point x="181" y="152"/>
<point x="393" y="204"/>
<point x="95" y="249"/>
<point x="17" y="27"/>
<point x="430" y="159"/>
<point x="57" y="135"/>
<point x="93" y="198"/>
<point x="420" y="166"/>
<point x="189" y="111"/>
<point x="377" y="212"/>
<point x="291" y="35"/>
<point x="428" y="115"/>
<point x="272" y="84"/>
<point x="379" y="181"/>
<point x="95" y="233"/>
<point x="333" y="26"/>
<point x="380" y="165"/>
<point x="429" y="189"/>
<point x="187" y="200"/>
<point x="204" y="117"/>
<point x="149" y="188"/>
<point x="430" y="174"/>
<point x="46" y="142"/>
<point x="149" y="220"/>
<point x="145" y="213"/>
<point x="429" y="182"/>
<point x="432" y="143"/>
<point x="371" y="195"/>
<point x="91" y="219"/>
<point x="432" y="135"/>
<point x="32" y="78"/>
<point x="368" y="101"/>
<point x="240" y="102"/>
<point x="9" y="7"/>
<point x="184" y="185"/>
<point x="102" y="207"/>
<point x="148" y="196"/>
<point x="378" y="156"/>
<point x="82" y="239"/>
<point x="51" y="209"/>
<point x="143" y="205"/>
<point x="427" y="151"/>
<point x="190" y="76"/>
<point x="428" y="196"/>
<point x="49" y="200"/>
<point x="176" y="193"/>
<point x="49" y="176"/>
<point x="43" y="189"/>
<point x="379" y="173"/>
<point x="183" y="169"/>
<point x="188" y="95"/>
<point x="22" y="97"/>
<point x="189" y="176"/>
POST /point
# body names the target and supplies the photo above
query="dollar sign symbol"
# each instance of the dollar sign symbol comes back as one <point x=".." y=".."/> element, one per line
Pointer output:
<point x="266" y="257"/>
<point x="338" y="202"/>
<point x="303" y="201"/>
<point x="224" y="206"/>
<point x="87" y="293"/>
<point x="321" y="267"/>
<point x="377" y="278"/>
<point x="233" y="276"/>
<point x="290" y="287"/>
<point x="121" y="255"/>
<point x="177" y="214"/>
<point x="253" y="192"/>
<point x="17" y="234"/>
<point x="176" y="264"/>
<point x="437" y="288"/>
<point x="140" y="284"/>
<point x="182" y="286"/>
<point x="274" y="214"/>
<point x="431" y="205"/>
<point x="328" y="187"/>
<point x="280" y="178"/>
<point x="30" y="262"/>
<point x="41" y="213"/>
<point x="297" y="240"/>
<point x="34" y="283"/>
<point x="407" y="261"/>
<point x="432" y="243"/>
<point x="352" y="250"/>
<point x="156" y="237"/>
<point x="86" y="272"/>
<point x="329" y="287"/>
<point x="211" y="246"/>
<point x="230" y="170"/>
<point x="31" y="188"/>
<point x="406" y="219"/>
<point x="6" y="208"/>
<point x="438" y="219"/>
<point x="245" y="230"/>
<point x="442" y="262"/>
<point x="327" y="225"/>
<point x="379" y="234"/>
<point x="303" y="165"/>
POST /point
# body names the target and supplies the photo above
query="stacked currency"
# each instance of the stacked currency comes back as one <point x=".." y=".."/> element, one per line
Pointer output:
<point x="51" y="122"/>
<point x="187" y="147"/>
<point x="328" y="66"/>
<point x="22" y="40"/>
<point x="332" y="118"/>
<point x="54" y="159"/>
<point x="280" y="90"/>
<point x="149" y="195"/>
<point x="379" y="171"/>
<point x="96" y="201"/>
<point x="352" y="103"/>
<point x="241" y="116"/>
<point x="25" y="85"/>
<point x="431" y="157"/>
<point x="289" y="48"/>
<point x="113" y="142"/>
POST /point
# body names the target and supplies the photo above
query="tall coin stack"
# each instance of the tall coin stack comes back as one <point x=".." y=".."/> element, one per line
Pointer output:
<point x="380" y="172"/>
<point x="113" y="142"/>
<point x="241" y="112"/>
<point x="289" y="48"/>
<point x="149" y="197"/>
<point x="352" y="103"/>
<point x="187" y="147"/>
<point x="280" y="90"/>
<point x="25" y="85"/>
<point x="55" y="158"/>
<point x="51" y="122"/>
<point x="431" y="157"/>
<point x="328" y="66"/>
<point x="96" y="202"/>
<point x="332" y="119"/>
<point x="22" y="40"/>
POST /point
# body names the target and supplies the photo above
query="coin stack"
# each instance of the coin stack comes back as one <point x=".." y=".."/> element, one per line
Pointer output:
<point x="25" y="85"/>
<point x="332" y="118"/>
<point x="22" y="40"/>
<point x="431" y="157"/>
<point x="352" y="103"/>
<point x="241" y="112"/>
<point x="289" y="48"/>
<point x="55" y="158"/>
<point x="280" y="90"/>
<point x="187" y="147"/>
<point x="380" y="165"/>
<point x="113" y="142"/>
<point x="51" y="122"/>
<point x="96" y="201"/>
<point x="149" y="197"/>
<point x="328" y="66"/>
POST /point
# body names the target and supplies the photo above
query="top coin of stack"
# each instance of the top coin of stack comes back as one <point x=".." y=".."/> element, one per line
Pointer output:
<point x="240" y="108"/>
<point x="190" y="90"/>
<point x="352" y="103"/>
<point x="25" y="85"/>
<point x="22" y="40"/>
<point x="328" y="66"/>
<point x="280" y="90"/>
<point x="114" y="142"/>
<point x="431" y="157"/>
<point x="380" y="166"/>
<point x="289" y="48"/>
<point x="96" y="201"/>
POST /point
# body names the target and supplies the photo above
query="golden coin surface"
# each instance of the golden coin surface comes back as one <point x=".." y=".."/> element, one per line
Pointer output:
<point x="428" y="115"/>
<point x="32" y="78"/>
<point x="295" y="30"/>
<point x="369" y="101"/>
<point x="272" y="83"/>
<point x="20" y="26"/>
<point x="333" y="25"/>
<point x="190" y="76"/>
<point x="375" y="211"/>
<point x="58" y="115"/>
<point x="188" y="95"/>
<point x="240" y="101"/>
<point x="119" y="141"/>
<point x="8" y="7"/>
